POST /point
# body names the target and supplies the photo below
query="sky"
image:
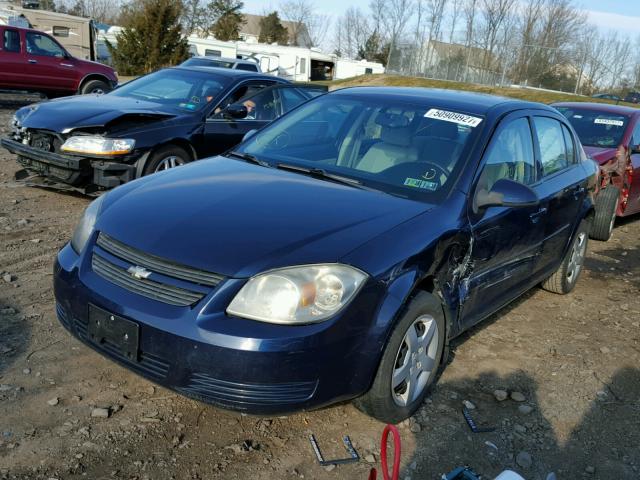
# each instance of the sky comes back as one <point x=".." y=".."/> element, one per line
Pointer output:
<point x="620" y="15"/>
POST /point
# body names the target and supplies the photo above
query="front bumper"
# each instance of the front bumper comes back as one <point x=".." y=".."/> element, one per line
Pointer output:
<point x="233" y="363"/>
<point x="70" y="169"/>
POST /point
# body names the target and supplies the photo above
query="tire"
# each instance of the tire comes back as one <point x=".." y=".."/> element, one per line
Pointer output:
<point x="565" y="278"/>
<point x="605" y="217"/>
<point x="392" y="405"/>
<point x="169" y="156"/>
<point x="95" y="87"/>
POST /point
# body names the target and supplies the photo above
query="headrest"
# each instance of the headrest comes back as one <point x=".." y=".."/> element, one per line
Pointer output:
<point x="396" y="136"/>
<point x="392" y="120"/>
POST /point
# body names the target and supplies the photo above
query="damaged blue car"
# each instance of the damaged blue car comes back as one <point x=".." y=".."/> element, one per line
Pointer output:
<point x="333" y="255"/>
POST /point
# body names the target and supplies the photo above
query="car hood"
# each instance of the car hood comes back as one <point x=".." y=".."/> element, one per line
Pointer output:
<point x="238" y="219"/>
<point x="65" y="114"/>
<point x="601" y="154"/>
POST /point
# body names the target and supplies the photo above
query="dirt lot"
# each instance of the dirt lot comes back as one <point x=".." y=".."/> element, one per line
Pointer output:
<point x="574" y="358"/>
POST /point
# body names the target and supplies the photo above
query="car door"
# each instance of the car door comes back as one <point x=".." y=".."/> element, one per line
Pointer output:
<point x="561" y="189"/>
<point x="49" y="66"/>
<point x="11" y="58"/>
<point x="506" y="241"/>
<point x="633" y="204"/>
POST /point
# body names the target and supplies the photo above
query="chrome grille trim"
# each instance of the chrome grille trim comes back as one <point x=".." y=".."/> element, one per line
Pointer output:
<point x="155" y="263"/>
<point x="145" y="287"/>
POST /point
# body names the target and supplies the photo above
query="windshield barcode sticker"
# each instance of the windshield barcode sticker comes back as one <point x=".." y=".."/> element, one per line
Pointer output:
<point x="454" y="117"/>
<point x="608" y="121"/>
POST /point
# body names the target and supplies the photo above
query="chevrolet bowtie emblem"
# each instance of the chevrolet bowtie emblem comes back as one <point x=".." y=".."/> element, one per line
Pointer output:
<point x="138" y="272"/>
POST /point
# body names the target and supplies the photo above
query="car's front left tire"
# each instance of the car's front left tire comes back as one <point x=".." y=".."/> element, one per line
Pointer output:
<point x="605" y="216"/>
<point x="165" y="158"/>
<point x="409" y="364"/>
<point x="564" y="279"/>
<point x="97" y="87"/>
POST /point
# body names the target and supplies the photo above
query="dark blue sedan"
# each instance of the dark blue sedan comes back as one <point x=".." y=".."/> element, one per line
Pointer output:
<point x="334" y="254"/>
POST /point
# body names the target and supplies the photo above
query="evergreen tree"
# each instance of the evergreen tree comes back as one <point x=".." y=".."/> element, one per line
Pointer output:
<point x="151" y="39"/>
<point x="272" y="30"/>
<point x="229" y="19"/>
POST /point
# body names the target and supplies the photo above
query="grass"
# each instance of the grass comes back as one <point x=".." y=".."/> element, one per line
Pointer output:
<point x="520" y="93"/>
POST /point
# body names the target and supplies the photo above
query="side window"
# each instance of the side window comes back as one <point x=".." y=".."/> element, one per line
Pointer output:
<point x="291" y="98"/>
<point x="635" y="137"/>
<point x="11" y="41"/>
<point x="43" y="46"/>
<point x="303" y="65"/>
<point x="261" y="106"/>
<point x="510" y="156"/>
<point x="247" y="67"/>
<point x="241" y="92"/>
<point x="553" y="154"/>
<point x="570" y="146"/>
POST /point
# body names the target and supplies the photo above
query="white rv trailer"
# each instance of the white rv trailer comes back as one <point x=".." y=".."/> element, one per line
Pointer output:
<point x="76" y="34"/>
<point x="211" y="47"/>
<point x="347" y="68"/>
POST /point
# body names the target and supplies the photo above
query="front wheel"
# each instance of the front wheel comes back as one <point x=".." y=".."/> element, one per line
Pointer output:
<point x="565" y="278"/>
<point x="165" y="158"/>
<point x="410" y="362"/>
<point x="96" y="87"/>
<point x="605" y="217"/>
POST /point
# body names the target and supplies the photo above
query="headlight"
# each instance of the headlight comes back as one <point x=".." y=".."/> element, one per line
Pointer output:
<point x="297" y="295"/>
<point x="14" y="124"/>
<point x="85" y="226"/>
<point x="96" y="145"/>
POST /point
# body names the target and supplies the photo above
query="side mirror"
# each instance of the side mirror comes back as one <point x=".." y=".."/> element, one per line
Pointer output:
<point x="505" y="193"/>
<point x="635" y="149"/>
<point x="250" y="134"/>
<point x="236" y="111"/>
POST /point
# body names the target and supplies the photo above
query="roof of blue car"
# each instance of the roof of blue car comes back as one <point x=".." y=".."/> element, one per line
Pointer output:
<point x="228" y="72"/>
<point x="479" y="103"/>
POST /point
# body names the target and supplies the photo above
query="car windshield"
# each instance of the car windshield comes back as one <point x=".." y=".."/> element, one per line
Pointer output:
<point x="413" y="150"/>
<point x="596" y="128"/>
<point x="181" y="89"/>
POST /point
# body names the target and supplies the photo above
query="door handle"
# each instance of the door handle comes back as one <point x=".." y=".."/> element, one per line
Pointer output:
<point x="535" y="217"/>
<point x="31" y="60"/>
<point x="66" y="65"/>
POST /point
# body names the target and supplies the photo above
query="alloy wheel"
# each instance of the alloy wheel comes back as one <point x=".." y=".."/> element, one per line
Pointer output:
<point x="577" y="257"/>
<point x="415" y="361"/>
<point x="169" y="162"/>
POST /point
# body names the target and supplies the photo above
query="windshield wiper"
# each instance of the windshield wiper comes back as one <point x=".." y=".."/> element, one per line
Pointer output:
<point x="247" y="157"/>
<point x="322" y="174"/>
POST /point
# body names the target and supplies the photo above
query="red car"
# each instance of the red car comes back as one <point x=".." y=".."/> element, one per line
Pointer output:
<point x="610" y="134"/>
<point x="34" y="61"/>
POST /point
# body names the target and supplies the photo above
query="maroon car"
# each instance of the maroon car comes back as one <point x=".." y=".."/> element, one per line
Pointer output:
<point x="610" y="134"/>
<point x="34" y="61"/>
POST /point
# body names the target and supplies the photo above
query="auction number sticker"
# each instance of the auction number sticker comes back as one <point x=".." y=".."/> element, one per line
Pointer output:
<point x="609" y="121"/>
<point x="454" y="117"/>
<point x="423" y="184"/>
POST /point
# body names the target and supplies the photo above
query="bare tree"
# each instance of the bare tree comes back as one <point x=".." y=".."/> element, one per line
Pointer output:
<point x="318" y="26"/>
<point x="398" y="13"/>
<point x="299" y="13"/>
<point x="455" y="10"/>
<point x="352" y="32"/>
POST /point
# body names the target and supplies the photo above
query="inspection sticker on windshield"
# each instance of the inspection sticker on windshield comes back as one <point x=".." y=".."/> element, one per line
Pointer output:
<point x="609" y="121"/>
<point x="454" y="117"/>
<point x="423" y="184"/>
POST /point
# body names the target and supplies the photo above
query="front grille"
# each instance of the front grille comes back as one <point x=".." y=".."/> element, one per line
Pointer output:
<point x="156" y="264"/>
<point x="148" y="364"/>
<point x="143" y="286"/>
<point x="207" y="388"/>
<point x="189" y="285"/>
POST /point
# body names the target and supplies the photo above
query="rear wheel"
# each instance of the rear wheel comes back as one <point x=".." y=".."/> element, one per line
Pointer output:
<point x="97" y="87"/>
<point x="169" y="156"/>
<point x="409" y="364"/>
<point x="605" y="217"/>
<point x="565" y="278"/>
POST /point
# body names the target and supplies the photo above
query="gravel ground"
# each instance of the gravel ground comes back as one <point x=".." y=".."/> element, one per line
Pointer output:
<point x="67" y="413"/>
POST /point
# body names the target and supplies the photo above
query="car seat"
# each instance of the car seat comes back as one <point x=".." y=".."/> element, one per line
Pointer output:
<point x="441" y="145"/>
<point x="394" y="148"/>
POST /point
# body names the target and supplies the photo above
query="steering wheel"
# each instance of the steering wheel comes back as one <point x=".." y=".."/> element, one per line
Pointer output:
<point x="432" y="170"/>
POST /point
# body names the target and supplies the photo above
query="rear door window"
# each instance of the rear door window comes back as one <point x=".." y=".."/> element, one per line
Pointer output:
<point x="11" y="41"/>
<point x="553" y="152"/>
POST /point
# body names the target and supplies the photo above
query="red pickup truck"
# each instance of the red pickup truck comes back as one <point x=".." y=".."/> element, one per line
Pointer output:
<point x="34" y="61"/>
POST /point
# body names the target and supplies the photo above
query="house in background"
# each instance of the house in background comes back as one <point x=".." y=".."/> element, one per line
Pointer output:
<point x="250" y="31"/>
